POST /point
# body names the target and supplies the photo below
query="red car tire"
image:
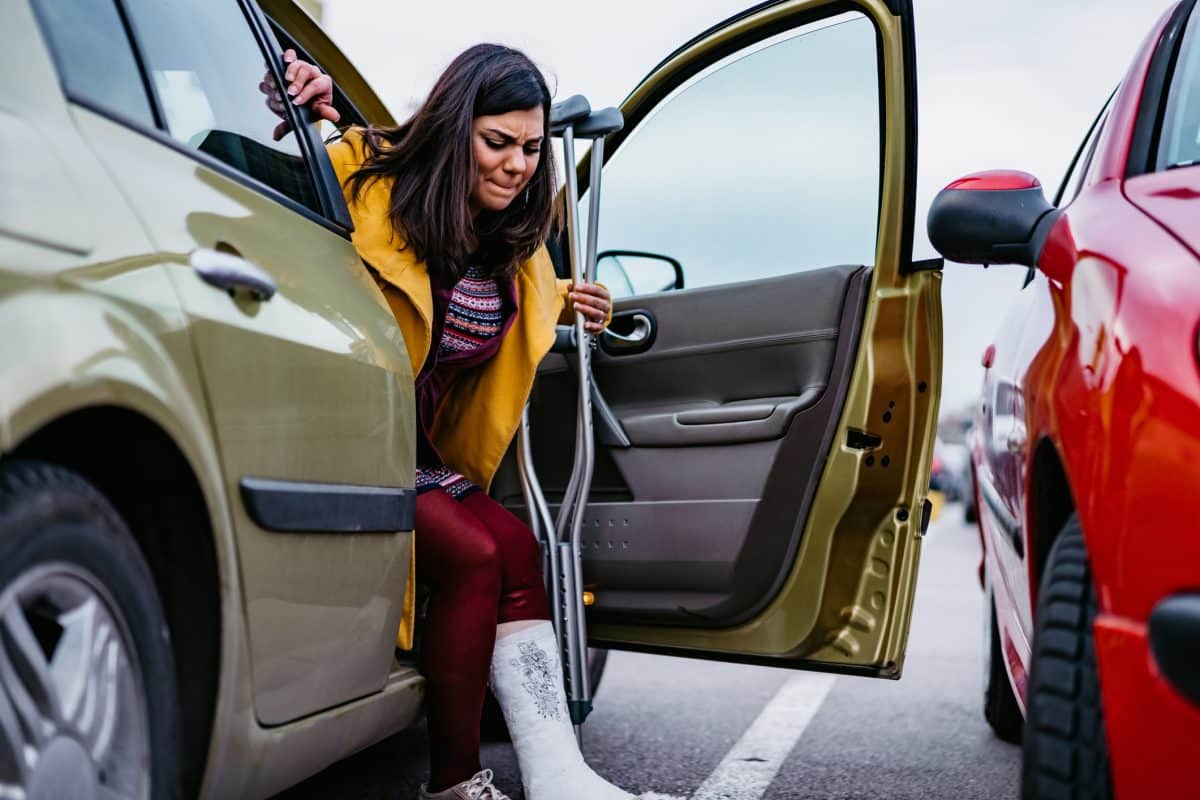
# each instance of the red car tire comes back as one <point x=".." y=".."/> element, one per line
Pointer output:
<point x="1065" y="749"/>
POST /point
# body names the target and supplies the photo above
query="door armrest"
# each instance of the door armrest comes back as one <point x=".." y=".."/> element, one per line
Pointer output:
<point x="739" y="421"/>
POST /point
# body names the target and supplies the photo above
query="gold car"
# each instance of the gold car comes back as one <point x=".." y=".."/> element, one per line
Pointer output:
<point x="206" y="409"/>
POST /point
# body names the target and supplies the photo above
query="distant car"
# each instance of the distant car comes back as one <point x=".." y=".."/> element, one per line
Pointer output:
<point x="206" y="406"/>
<point x="966" y="482"/>
<point x="1087" y="447"/>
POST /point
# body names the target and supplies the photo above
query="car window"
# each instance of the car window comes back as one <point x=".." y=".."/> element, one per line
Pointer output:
<point x="206" y="67"/>
<point x="1073" y="183"/>
<point x="766" y="164"/>
<point x="95" y="60"/>
<point x="1179" y="141"/>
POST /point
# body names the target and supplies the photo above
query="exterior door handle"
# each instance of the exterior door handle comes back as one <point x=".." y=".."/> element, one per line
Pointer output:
<point x="232" y="272"/>
<point x="641" y="330"/>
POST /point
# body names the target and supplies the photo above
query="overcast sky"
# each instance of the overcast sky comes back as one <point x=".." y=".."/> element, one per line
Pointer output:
<point x="1001" y="84"/>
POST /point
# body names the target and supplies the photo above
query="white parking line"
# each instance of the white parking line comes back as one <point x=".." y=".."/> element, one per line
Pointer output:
<point x="748" y="769"/>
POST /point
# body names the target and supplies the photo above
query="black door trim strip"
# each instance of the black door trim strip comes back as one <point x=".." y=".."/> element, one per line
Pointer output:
<point x="298" y="507"/>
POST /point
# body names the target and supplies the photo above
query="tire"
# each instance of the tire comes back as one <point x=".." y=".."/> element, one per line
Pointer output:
<point x="492" y="727"/>
<point x="1065" y="750"/>
<point x="85" y="655"/>
<point x="970" y="512"/>
<point x="1000" y="707"/>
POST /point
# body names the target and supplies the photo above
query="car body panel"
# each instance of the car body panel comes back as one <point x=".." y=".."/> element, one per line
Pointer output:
<point x="313" y="385"/>
<point x="1105" y="359"/>
<point x="1171" y="199"/>
<point x="93" y="321"/>
<point x="1150" y="726"/>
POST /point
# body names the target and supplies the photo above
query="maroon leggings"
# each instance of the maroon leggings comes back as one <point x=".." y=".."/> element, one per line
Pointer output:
<point x="483" y="566"/>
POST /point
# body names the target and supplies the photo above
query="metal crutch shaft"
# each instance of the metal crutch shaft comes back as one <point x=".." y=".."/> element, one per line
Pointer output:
<point x="595" y="127"/>
<point x="561" y="536"/>
<point x="540" y="520"/>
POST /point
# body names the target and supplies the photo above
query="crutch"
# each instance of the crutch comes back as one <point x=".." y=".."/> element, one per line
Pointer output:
<point x="571" y="120"/>
<point x="566" y="113"/>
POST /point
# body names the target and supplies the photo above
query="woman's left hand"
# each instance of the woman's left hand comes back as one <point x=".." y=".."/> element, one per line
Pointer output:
<point x="594" y="302"/>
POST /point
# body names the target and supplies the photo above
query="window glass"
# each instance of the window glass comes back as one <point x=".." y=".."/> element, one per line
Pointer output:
<point x="767" y="164"/>
<point x="1179" y="144"/>
<point x="206" y="67"/>
<point x="95" y="60"/>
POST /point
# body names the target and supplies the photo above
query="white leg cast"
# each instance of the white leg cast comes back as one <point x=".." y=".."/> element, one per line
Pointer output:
<point x="527" y="680"/>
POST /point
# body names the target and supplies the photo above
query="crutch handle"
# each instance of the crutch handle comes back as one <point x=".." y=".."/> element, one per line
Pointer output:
<point x="600" y="123"/>
<point x="568" y="112"/>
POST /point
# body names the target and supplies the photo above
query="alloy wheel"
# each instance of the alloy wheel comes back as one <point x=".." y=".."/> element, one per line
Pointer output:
<point x="73" y="716"/>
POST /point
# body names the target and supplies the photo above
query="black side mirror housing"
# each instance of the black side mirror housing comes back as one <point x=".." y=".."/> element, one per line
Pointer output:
<point x="999" y="217"/>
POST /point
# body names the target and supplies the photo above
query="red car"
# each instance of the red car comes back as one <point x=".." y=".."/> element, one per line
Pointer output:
<point x="1086" y="451"/>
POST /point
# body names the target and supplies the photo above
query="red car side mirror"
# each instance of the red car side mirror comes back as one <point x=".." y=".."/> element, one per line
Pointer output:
<point x="999" y="217"/>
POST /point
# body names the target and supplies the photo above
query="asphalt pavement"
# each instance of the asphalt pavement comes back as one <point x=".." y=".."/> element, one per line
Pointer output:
<point x="699" y="730"/>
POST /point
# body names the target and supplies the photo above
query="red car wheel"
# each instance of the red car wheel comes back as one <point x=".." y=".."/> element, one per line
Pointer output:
<point x="1065" y="750"/>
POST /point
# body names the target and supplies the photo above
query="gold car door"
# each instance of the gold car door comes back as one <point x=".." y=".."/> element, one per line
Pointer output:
<point x="760" y="488"/>
<point x="308" y="382"/>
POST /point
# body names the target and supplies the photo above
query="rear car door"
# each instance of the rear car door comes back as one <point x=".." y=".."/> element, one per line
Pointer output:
<point x="761" y="494"/>
<point x="309" y="389"/>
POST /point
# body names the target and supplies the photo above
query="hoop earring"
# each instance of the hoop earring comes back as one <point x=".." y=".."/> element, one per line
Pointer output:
<point x="525" y="197"/>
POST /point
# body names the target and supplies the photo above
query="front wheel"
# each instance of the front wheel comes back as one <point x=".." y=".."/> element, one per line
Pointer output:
<point x="1065" y="752"/>
<point x="87" y="685"/>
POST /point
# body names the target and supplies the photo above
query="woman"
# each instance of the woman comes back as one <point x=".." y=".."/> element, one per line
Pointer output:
<point x="451" y="210"/>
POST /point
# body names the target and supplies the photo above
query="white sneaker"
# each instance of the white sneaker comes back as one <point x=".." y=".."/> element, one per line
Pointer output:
<point x="527" y="680"/>
<point x="480" y="787"/>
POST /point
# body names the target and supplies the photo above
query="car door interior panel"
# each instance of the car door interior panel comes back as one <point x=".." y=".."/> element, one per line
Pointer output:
<point x="728" y="418"/>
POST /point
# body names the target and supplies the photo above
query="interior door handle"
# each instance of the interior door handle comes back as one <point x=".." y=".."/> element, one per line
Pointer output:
<point x="231" y="272"/>
<point x="639" y="334"/>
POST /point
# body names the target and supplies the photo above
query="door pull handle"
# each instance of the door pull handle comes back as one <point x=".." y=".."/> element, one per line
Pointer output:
<point x="231" y="272"/>
<point x="639" y="334"/>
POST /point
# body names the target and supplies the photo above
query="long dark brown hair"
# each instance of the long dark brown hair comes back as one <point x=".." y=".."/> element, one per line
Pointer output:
<point x="430" y="161"/>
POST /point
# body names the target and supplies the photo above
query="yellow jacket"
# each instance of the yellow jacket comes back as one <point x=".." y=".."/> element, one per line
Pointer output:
<point x="479" y="414"/>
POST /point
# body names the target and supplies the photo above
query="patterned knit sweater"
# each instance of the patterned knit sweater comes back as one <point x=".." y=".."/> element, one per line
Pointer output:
<point x="476" y="317"/>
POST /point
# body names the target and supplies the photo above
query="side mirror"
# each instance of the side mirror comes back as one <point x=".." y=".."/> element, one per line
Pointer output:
<point x="999" y="217"/>
<point x="631" y="272"/>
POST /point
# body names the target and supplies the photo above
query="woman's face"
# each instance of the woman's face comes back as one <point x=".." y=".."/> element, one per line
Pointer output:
<point x="506" y="148"/>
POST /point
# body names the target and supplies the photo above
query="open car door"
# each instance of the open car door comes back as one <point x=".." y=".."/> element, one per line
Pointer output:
<point x="767" y="407"/>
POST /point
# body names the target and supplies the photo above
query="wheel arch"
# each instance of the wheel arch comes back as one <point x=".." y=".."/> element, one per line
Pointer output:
<point x="143" y="472"/>
<point x="1051" y="504"/>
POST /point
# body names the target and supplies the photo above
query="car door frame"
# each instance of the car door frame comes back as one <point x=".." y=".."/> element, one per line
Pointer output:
<point x="897" y="372"/>
<point x="863" y="638"/>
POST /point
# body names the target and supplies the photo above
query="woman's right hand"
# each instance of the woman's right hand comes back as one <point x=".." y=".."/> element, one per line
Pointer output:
<point x="306" y="84"/>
